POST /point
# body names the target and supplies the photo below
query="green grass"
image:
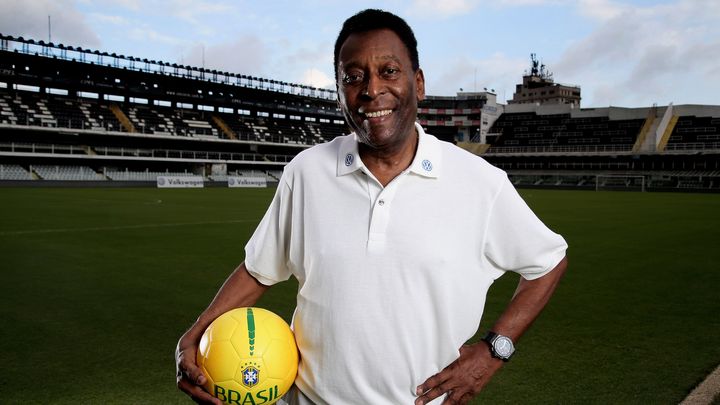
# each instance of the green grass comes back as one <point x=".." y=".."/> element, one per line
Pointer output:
<point x="98" y="284"/>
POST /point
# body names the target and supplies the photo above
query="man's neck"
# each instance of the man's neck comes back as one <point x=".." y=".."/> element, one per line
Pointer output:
<point x="387" y="163"/>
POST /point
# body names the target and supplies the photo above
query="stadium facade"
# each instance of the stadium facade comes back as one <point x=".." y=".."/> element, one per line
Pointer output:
<point x="72" y="115"/>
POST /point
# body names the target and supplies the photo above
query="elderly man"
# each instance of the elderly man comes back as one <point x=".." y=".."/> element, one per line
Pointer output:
<point x="392" y="278"/>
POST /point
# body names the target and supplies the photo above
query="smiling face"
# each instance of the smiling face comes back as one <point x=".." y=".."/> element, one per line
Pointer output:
<point x="378" y="90"/>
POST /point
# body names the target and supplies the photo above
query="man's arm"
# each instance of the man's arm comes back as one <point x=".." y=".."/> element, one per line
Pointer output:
<point x="239" y="290"/>
<point x="466" y="376"/>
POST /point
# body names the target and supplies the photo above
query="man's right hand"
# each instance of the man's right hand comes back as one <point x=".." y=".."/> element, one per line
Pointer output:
<point x="239" y="290"/>
<point x="190" y="378"/>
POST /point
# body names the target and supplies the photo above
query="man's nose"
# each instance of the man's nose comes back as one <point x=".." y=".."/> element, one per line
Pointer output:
<point x="373" y="87"/>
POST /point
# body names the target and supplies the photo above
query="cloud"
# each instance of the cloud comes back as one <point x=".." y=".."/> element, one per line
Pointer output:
<point x="601" y="10"/>
<point x="29" y="19"/>
<point x="521" y="3"/>
<point x="244" y="55"/>
<point x="285" y="59"/>
<point x="648" y="51"/>
<point x="317" y="78"/>
<point x="612" y="43"/>
<point x="632" y="52"/>
<point x="133" y="5"/>
<point x="186" y="9"/>
<point x="498" y="71"/>
<point x="146" y="34"/>
<point x="200" y="16"/>
<point x="192" y="11"/>
<point x="606" y="94"/>
<point x="296" y="61"/>
<point x="449" y="8"/>
<point x="443" y="8"/>
<point x="108" y="19"/>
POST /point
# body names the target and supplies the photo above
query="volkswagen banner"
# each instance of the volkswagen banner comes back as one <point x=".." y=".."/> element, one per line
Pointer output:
<point x="180" y="182"/>
<point x="238" y="181"/>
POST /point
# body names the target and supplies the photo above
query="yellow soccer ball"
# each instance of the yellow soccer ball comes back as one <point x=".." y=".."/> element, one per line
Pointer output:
<point x="249" y="356"/>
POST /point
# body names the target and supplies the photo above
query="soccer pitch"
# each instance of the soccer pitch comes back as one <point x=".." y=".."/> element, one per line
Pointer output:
<point x="98" y="284"/>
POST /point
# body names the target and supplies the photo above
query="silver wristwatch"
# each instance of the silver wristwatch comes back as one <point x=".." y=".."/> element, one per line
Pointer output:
<point x="501" y="346"/>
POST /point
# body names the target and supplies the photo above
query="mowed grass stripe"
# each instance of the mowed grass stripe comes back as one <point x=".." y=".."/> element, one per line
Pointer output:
<point x="93" y="317"/>
<point x="122" y="227"/>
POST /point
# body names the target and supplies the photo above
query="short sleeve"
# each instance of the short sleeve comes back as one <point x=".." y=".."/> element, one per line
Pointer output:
<point x="517" y="240"/>
<point x="266" y="253"/>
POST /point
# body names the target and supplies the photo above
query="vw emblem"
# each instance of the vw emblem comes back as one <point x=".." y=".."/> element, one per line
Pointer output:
<point x="427" y="165"/>
<point x="349" y="159"/>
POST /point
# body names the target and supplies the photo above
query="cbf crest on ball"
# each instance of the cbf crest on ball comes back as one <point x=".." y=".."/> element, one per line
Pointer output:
<point x="249" y="357"/>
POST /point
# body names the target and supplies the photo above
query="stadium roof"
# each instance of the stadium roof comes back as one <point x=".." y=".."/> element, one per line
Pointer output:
<point x="51" y="50"/>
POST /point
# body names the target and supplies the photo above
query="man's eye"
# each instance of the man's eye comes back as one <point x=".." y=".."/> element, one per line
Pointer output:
<point x="391" y="71"/>
<point x="350" y="78"/>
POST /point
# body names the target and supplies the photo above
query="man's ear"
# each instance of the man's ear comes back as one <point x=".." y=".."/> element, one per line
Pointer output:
<point x="420" y="85"/>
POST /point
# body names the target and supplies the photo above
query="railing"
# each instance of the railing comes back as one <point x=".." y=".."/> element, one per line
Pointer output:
<point x="72" y="123"/>
<point x="558" y="149"/>
<point x="114" y="126"/>
<point x="573" y="166"/>
<point x="705" y="146"/>
<point x="17" y="147"/>
<point x="191" y="155"/>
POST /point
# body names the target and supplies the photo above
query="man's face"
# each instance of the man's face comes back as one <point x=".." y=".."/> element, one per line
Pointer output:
<point x="378" y="89"/>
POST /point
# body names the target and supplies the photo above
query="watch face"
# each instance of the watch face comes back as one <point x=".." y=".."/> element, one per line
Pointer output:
<point x="503" y="347"/>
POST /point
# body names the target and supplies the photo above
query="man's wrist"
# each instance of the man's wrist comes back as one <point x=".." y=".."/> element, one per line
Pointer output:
<point x="501" y="347"/>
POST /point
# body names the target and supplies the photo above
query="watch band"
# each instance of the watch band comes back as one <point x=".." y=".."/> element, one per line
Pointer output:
<point x="491" y="338"/>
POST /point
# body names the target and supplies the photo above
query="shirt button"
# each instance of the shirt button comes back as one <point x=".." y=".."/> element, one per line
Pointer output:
<point x="381" y="202"/>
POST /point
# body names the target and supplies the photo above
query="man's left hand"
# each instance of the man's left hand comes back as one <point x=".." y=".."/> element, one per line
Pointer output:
<point x="462" y="379"/>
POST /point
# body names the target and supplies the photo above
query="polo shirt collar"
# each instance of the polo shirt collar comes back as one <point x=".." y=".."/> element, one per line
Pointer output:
<point x="348" y="158"/>
<point x="428" y="158"/>
<point x="427" y="161"/>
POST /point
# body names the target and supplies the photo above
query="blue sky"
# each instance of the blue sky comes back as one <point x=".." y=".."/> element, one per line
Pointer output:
<point x="622" y="53"/>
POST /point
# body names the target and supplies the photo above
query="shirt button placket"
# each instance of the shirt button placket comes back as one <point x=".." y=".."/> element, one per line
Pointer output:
<point x="378" y="225"/>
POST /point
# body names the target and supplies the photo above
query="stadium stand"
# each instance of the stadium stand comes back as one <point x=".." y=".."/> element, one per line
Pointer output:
<point x="563" y="146"/>
<point x="696" y="128"/>
<point x="14" y="172"/>
<point x="67" y="173"/>
<point x="114" y="174"/>
<point x="82" y="116"/>
<point x="586" y="131"/>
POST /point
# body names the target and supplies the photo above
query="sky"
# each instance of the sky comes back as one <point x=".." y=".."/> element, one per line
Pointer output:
<point x="627" y="53"/>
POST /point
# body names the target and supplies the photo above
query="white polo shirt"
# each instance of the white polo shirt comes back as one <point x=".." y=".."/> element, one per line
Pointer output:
<point x="392" y="280"/>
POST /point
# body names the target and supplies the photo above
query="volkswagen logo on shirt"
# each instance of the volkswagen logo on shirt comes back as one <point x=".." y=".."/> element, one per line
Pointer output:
<point x="349" y="158"/>
<point x="427" y="165"/>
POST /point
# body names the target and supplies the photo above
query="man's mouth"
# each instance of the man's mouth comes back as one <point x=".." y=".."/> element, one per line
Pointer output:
<point x="374" y="114"/>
